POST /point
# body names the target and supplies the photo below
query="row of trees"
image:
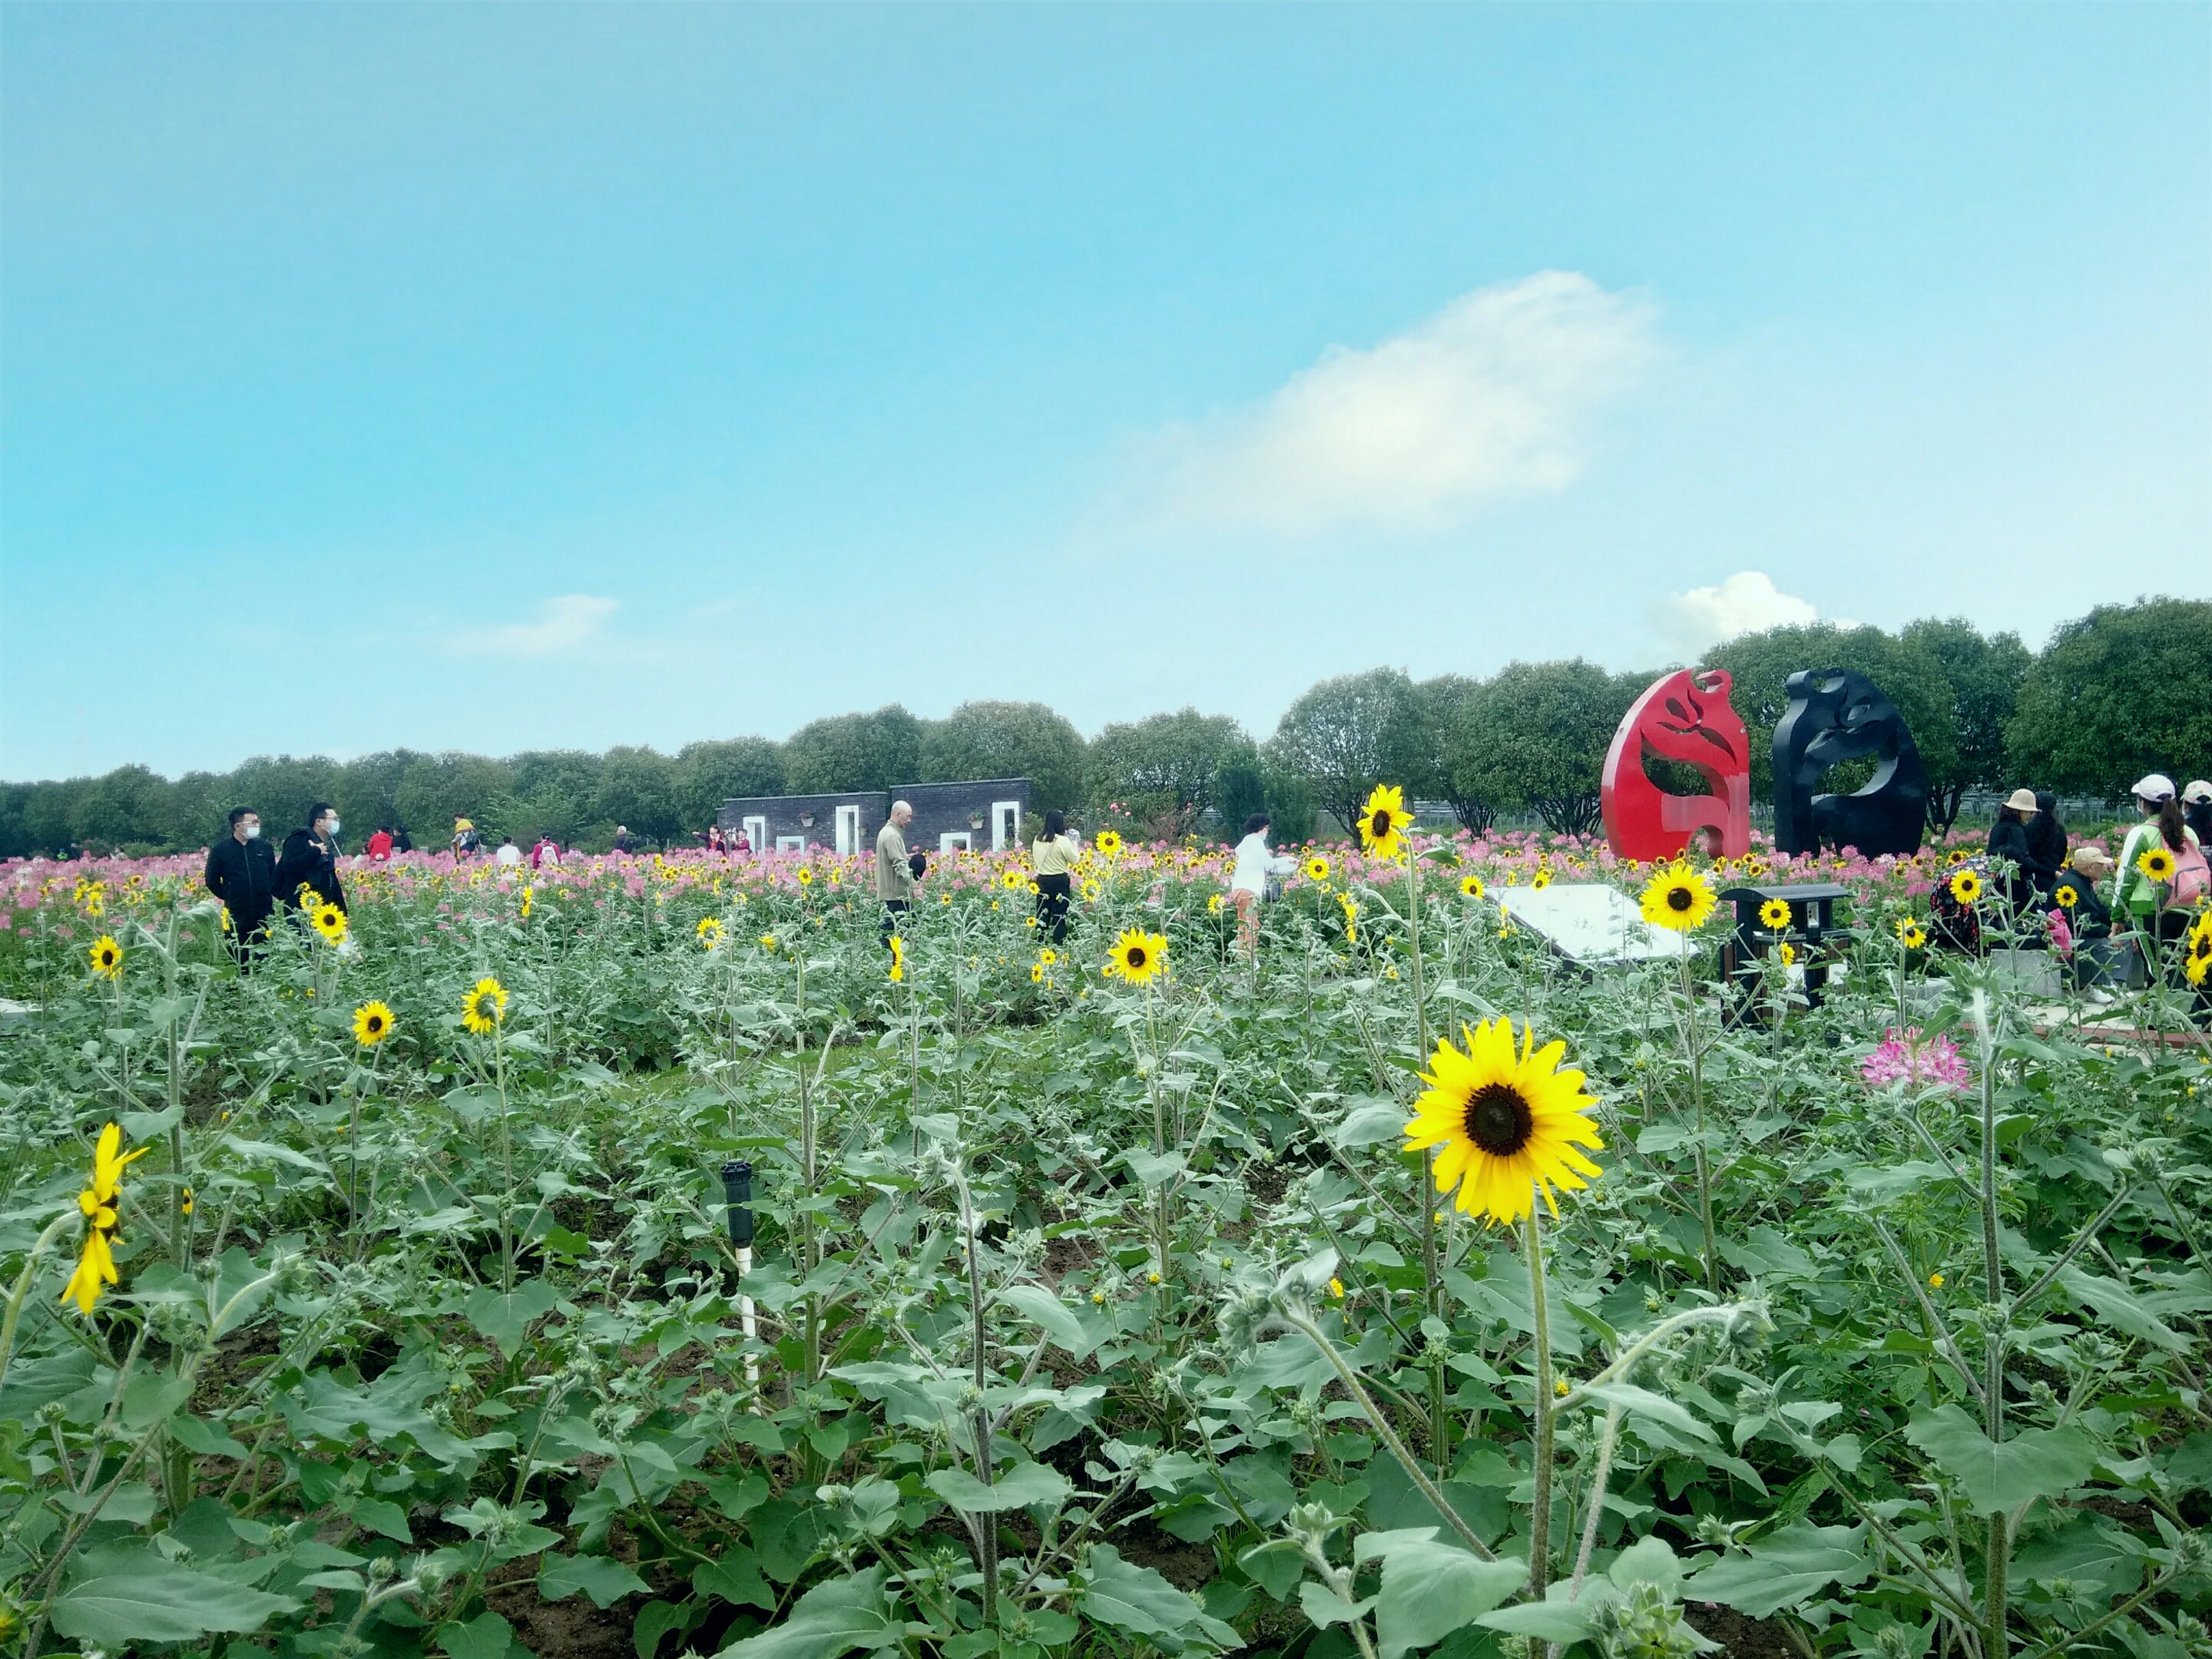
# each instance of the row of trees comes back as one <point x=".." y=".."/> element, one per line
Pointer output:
<point x="2122" y="691"/>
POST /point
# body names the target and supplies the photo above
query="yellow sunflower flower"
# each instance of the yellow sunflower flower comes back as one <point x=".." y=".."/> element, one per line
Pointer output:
<point x="1108" y="843"/>
<point x="1541" y="880"/>
<point x="1037" y="973"/>
<point x="1910" y="934"/>
<point x="1966" y="886"/>
<point x="100" y="1205"/>
<point x="1213" y="905"/>
<point x="1317" y="868"/>
<point x="2157" y="863"/>
<point x="767" y="941"/>
<point x="1507" y="1124"/>
<point x="1091" y="892"/>
<point x="484" y="1007"/>
<point x="898" y="957"/>
<point x="709" y="932"/>
<point x="331" y="922"/>
<point x="1138" y="957"/>
<point x="1787" y="952"/>
<point x="2067" y="898"/>
<point x="805" y="877"/>
<point x="107" y="957"/>
<point x="1472" y="886"/>
<point x="1774" y="914"/>
<point x="372" y="1024"/>
<point x="1011" y="880"/>
<point x="528" y="894"/>
<point x="1383" y="822"/>
<point x="1677" y="898"/>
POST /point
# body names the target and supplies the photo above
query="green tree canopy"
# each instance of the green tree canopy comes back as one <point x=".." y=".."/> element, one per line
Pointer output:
<point x="1451" y="710"/>
<point x="1984" y="674"/>
<point x="2125" y="690"/>
<point x="1350" y="733"/>
<point x="853" y="752"/>
<point x="1006" y="740"/>
<point x="1908" y="673"/>
<point x="708" y="774"/>
<point x="1536" y="736"/>
<point x="1168" y="767"/>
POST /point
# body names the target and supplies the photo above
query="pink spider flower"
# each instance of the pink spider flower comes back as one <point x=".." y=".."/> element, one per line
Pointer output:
<point x="1905" y="1057"/>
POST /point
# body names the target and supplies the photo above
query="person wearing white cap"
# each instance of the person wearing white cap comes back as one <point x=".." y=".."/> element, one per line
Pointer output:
<point x="2008" y="844"/>
<point x="2197" y="808"/>
<point x="2136" y="898"/>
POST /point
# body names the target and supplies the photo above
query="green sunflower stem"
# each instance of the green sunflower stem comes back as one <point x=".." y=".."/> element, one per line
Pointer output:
<point x="1431" y="1256"/>
<point x="1540" y="1522"/>
<point x="1698" y="1101"/>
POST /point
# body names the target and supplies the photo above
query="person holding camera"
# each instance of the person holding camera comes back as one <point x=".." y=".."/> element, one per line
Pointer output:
<point x="896" y="870"/>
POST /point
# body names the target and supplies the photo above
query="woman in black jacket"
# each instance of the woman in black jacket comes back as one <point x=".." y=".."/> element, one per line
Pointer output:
<point x="2010" y="840"/>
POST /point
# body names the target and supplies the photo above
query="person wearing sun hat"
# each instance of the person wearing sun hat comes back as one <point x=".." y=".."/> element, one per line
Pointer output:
<point x="2136" y="898"/>
<point x="2197" y="809"/>
<point x="2008" y="844"/>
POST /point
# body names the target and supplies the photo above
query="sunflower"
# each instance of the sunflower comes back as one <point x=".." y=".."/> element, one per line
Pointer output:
<point x="1091" y="892"/>
<point x="372" y="1024"/>
<point x="2156" y="863"/>
<point x="1787" y="952"/>
<point x="1957" y="855"/>
<point x="100" y="1203"/>
<point x="484" y="1007"/>
<point x="1677" y="898"/>
<point x="806" y="876"/>
<point x="1471" y="886"/>
<point x="1507" y="1124"/>
<point x="528" y="893"/>
<point x="2196" y="966"/>
<point x="1011" y="880"/>
<point x="107" y="957"/>
<point x="1540" y="881"/>
<point x="1910" y="934"/>
<point x="2067" y="898"/>
<point x="1037" y="973"/>
<point x="898" y="957"/>
<point x="767" y="941"/>
<point x="1108" y="842"/>
<point x="1213" y="905"/>
<point x="1138" y="957"/>
<point x="1317" y="868"/>
<point x="708" y="932"/>
<point x="1382" y="822"/>
<point x="1966" y="886"/>
<point x="1774" y="914"/>
<point x="331" y="922"/>
<point x="1049" y="957"/>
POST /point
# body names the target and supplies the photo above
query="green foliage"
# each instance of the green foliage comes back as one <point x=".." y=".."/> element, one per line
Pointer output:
<point x="1536" y="737"/>
<point x="853" y="752"/>
<point x="2125" y="690"/>
<point x="1166" y="768"/>
<point x="1006" y="740"/>
<point x="1350" y="733"/>
<point x="1985" y="675"/>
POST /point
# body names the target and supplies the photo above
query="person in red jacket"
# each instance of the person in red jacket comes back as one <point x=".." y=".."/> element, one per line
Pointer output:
<point x="379" y="844"/>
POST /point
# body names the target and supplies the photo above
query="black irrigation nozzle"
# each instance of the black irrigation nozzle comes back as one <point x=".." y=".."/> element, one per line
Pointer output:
<point x="738" y="1193"/>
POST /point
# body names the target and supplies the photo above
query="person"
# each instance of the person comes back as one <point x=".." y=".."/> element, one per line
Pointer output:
<point x="2008" y="844"/>
<point x="2087" y="915"/>
<point x="2047" y="838"/>
<point x="1052" y="861"/>
<point x="551" y="859"/>
<point x="309" y="863"/>
<point x="467" y="841"/>
<point x="401" y="840"/>
<point x="379" y="844"/>
<point x="894" y="875"/>
<point x="2196" y="810"/>
<point x="537" y="851"/>
<point x="242" y="872"/>
<point x="714" y="839"/>
<point x="2135" y="898"/>
<point x="1248" y="880"/>
<point x="742" y="845"/>
<point x="509" y="855"/>
<point x="622" y="841"/>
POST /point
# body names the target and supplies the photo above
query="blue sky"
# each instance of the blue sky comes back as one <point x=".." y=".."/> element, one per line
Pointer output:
<point x="504" y="377"/>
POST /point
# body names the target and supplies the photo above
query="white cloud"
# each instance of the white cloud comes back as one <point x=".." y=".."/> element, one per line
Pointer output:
<point x="1745" y="603"/>
<point x="562" y="624"/>
<point x="1493" y="396"/>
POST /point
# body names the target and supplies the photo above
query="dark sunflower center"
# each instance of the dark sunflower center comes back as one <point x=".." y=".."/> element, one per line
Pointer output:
<point x="1678" y="898"/>
<point x="1136" y="956"/>
<point x="1382" y="823"/>
<point x="1498" y="1120"/>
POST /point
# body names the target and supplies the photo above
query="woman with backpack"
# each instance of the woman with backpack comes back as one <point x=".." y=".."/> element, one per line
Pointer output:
<point x="2160" y="907"/>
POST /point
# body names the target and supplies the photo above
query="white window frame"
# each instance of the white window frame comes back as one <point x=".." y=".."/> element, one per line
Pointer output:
<point x="950" y="842"/>
<point x="848" y="830"/>
<point x="791" y="843"/>
<point x="1005" y="824"/>
<point x="755" y="831"/>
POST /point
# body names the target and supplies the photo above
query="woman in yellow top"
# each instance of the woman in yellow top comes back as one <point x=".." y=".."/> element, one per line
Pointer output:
<point x="1053" y="861"/>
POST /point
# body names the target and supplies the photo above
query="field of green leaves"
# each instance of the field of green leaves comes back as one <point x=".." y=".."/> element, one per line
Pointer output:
<point x="1084" y="1313"/>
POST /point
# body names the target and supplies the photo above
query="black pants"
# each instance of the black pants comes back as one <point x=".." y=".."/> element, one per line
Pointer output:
<point x="1053" y="894"/>
<point x="894" y="914"/>
<point x="248" y="940"/>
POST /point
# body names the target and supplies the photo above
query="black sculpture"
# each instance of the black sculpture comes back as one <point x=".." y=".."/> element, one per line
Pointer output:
<point x="1836" y="716"/>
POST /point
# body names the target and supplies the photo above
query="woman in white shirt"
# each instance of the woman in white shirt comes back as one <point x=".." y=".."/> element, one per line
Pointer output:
<point x="1248" y="882"/>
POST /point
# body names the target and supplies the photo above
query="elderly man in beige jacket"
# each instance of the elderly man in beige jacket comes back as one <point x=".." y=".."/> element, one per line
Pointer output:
<point x="895" y="873"/>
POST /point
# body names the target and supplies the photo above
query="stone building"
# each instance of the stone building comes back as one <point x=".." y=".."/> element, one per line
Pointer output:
<point x="974" y="816"/>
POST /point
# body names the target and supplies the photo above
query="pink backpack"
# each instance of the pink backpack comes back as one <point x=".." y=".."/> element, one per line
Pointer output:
<point x="2192" y="877"/>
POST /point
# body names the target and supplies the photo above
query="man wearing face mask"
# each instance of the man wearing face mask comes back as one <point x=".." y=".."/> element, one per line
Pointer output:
<point x="311" y="859"/>
<point x="241" y="872"/>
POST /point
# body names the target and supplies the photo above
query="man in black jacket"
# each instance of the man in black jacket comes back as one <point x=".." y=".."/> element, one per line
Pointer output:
<point x="241" y="872"/>
<point x="311" y="859"/>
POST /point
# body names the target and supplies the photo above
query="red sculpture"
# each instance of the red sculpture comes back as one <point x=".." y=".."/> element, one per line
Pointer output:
<point x="1684" y="717"/>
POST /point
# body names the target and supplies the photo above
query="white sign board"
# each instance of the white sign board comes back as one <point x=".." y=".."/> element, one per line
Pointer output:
<point x="1587" y="922"/>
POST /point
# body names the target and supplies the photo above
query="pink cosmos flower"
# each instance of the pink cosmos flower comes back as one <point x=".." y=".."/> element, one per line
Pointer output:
<point x="1905" y="1057"/>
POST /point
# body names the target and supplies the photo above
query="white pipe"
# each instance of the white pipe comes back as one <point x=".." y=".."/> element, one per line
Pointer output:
<point x="749" y="1325"/>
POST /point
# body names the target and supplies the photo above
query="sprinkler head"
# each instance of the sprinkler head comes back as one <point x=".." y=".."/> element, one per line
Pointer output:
<point x="737" y="1195"/>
